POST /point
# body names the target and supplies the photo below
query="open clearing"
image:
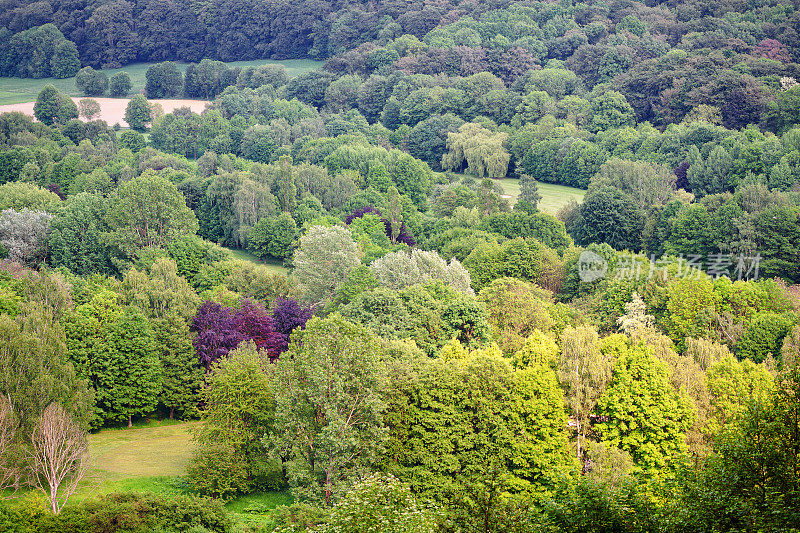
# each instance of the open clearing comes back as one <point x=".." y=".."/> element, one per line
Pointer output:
<point x="150" y="458"/>
<point x="112" y="110"/>
<point x="274" y="265"/>
<point x="554" y="197"/>
<point x="20" y="90"/>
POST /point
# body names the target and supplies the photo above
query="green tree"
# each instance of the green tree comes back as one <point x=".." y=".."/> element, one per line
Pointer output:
<point x="646" y="417"/>
<point x="239" y="411"/>
<point x="323" y="260"/>
<point x="529" y="196"/>
<point x="610" y="110"/>
<point x="53" y="107"/>
<point x="119" y="84"/>
<point x="584" y="370"/>
<point x="328" y="407"/>
<point x="75" y="240"/>
<point x="611" y="216"/>
<point x="65" y="62"/>
<point x="380" y="502"/>
<point x="127" y="370"/>
<point x="92" y="82"/>
<point x="273" y="237"/>
<point x="138" y="113"/>
<point x="35" y="372"/>
<point x="163" y="80"/>
<point x="482" y="151"/>
<point x="148" y="211"/>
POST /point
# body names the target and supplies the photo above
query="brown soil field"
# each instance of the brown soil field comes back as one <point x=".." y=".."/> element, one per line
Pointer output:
<point x="113" y="109"/>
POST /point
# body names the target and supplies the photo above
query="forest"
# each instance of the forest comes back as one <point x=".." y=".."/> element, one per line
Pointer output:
<point x="323" y="274"/>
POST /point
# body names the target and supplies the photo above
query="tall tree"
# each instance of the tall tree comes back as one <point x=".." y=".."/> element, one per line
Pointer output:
<point x="584" y="371"/>
<point x="328" y="407"/>
<point x="148" y="211"/>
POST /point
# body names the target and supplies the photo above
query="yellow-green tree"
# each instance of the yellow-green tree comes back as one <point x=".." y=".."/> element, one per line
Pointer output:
<point x="483" y="151"/>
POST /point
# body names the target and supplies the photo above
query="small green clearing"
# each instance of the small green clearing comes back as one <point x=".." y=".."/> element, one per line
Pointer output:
<point x="273" y="265"/>
<point x="20" y="90"/>
<point x="554" y="197"/>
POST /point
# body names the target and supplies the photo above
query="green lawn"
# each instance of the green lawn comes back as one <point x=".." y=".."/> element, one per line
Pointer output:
<point x="554" y="197"/>
<point x="20" y="90"/>
<point x="150" y="458"/>
<point x="273" y="265"/>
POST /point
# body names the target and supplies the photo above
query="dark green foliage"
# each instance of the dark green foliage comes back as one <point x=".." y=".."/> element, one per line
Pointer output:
<point x="92" y="82"/>
<point x="164" y="80"/>
<point x="611" y="216"/>
<point x="119" y="84"/>
<point x="65" y="61"/>
<point x="38" y="52"/>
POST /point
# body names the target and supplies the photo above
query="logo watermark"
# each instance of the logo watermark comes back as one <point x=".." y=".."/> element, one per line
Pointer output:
<point x="592" y="266"/>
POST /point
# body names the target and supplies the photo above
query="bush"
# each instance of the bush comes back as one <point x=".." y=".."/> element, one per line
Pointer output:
<point x="129" y="511"/>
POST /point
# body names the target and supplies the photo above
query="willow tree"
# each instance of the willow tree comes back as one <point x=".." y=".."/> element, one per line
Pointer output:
<point x="483" y="150"/>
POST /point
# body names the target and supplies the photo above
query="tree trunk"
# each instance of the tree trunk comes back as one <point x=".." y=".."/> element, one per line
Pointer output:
<point x="130" y="421"/>
<point x="171" y="413"/>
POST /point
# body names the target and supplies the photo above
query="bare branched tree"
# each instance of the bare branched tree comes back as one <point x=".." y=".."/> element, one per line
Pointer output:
<point x="9" y="474"/>
<point x="58" y="456"/>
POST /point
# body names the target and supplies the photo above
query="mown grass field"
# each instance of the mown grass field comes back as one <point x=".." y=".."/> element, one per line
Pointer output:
<point x="272" y="265"/>
<point x="151" y="458"/>
<point x="20" y="90"/>
<point x="554" y="197"/>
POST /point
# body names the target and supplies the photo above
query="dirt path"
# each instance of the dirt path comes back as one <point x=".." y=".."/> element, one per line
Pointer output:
<point x="113" y="109"/>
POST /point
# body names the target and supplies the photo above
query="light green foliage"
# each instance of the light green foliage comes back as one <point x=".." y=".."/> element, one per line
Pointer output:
<point x="160" y="291"/>
<point x="483" y="151"/>
<point x="538" y="349"/>
<point x="649" y="184"/>
<point x="525" y="259"/>
<point x="20" y="195"/>
<point x="516" y="309"/>
<point x="610" y="110"/>
<point x="35" y="372"/>
<point x="380" y="502"/>
<point x="138" y="114"/>
<point x="430" y="315"/>
<point x="273" y="237"/>
<point x="646" y="417"/>
<point x="239" y="411"/>
<point x="328" y="407"/>
<point x="148" y="211"/>
<point x="583" y="370"/>
<point x="733" y="386"/>
<point x="323" y="260"/>
<point x="401" y="269"/>
<point x="475" y="424"/>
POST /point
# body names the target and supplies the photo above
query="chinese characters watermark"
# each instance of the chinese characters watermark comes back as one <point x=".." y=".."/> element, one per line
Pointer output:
<point x="592" y="266"/>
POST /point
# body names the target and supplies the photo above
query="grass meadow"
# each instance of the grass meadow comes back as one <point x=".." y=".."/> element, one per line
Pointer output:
<point x="554" y="197"/>
<point x="21" y="90"/>
<point x="152" y="457"/>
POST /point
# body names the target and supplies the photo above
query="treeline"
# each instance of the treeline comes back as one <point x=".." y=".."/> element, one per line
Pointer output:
<point x="603" y="40"/>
